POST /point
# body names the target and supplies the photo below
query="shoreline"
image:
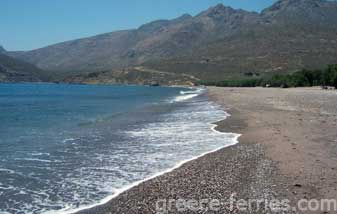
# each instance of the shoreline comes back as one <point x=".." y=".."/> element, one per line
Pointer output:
<point x="118" y="204"/>
<point x="296" y="128"/>
<point x="128" y="187"/>
<point x="274" y="159"/>
<point x="108" y="199"/>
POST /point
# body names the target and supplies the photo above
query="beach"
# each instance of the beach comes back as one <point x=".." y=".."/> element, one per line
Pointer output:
<point x="287" y="150"/>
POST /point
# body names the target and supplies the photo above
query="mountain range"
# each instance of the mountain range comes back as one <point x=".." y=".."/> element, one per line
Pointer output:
<point x="219" y="43"/>
<point x="15" y="70"/>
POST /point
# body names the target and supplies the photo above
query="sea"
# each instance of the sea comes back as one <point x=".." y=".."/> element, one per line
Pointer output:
<point x="64" y="148"/>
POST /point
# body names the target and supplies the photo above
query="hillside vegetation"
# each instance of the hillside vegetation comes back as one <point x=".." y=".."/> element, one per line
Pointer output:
<point x="219" y="43"/>
<point x="303" y="78"/>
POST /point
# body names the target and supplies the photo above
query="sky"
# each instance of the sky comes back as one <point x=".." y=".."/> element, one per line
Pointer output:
<point x="31" y="24"/>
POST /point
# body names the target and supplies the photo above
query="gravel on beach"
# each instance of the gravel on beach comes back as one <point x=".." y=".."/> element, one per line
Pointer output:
<point x="287" y="151"/>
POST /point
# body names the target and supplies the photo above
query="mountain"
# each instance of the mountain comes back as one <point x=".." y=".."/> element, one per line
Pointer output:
<point x="218" y="43"/>
<point x="112" y="50"/>
<point x="289" y="35"/>
<point x="136" y="75"/>
<point x="14" y="70"/>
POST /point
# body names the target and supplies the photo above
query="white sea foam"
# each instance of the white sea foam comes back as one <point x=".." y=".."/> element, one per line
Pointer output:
<point x="147" y="150"/>
<point x="68" y="139"/>
<point x="186" y="95"/>
<point x="40" y="154"/>
<point x="7" y="170"/>
<point x="193" y="91"/>
<point x="117" y="192"/>
<point x="191" y="130"/>
<point x="33" y="159"/>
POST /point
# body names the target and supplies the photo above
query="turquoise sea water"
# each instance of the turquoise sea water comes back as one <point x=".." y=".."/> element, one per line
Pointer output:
<point x="63" y="147"/>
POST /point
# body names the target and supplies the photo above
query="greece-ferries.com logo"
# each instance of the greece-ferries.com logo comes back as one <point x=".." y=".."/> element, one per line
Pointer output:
<point x="164" y="206"/>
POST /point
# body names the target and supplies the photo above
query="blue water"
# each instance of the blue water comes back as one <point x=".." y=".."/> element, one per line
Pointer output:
<point x="63" y="147"/>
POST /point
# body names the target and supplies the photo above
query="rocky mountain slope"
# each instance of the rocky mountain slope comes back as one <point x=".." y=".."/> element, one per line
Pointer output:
<point x="136" y="75"/>
<point x="220" y="42"/>
<point x="14" y="70"/>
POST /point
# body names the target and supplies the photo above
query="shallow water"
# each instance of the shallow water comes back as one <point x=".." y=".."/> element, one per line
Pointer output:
<point x="63" y="147"/>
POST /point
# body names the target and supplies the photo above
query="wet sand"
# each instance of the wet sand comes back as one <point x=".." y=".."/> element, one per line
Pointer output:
<point x="288" y="150"/>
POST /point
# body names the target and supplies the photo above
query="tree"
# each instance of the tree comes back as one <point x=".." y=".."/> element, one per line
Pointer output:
<point x="333" y="75"/>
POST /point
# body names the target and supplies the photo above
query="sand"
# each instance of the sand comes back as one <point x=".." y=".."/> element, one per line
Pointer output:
<point x="298" y="129"/>
<point x="288" y="150"/>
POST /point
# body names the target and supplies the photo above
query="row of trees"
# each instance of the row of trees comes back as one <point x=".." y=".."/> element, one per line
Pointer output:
<point x="303" y="78"/>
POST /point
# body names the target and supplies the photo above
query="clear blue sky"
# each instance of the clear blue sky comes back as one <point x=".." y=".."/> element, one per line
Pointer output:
<point x="30" y="24"/>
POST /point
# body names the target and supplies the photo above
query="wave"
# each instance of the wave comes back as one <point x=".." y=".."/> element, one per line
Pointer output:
<point x="68" y="140"/>
<point x="101" y="119"/>
<point x="33" y="159"/>
<point x="128" y="187"/>
<point x="199" y="135"/>
<point x="7" y="171"/>
<point x="186" y="95"/>
<point x="40" y="154"/>
<point x="193" y="91"/>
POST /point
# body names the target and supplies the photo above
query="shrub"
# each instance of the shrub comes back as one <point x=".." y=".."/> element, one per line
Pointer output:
<point x="303" y="78"/>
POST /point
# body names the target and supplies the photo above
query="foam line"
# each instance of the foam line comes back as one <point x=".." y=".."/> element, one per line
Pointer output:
<point x="186" y="95"/>
<point x="178" y="165"/>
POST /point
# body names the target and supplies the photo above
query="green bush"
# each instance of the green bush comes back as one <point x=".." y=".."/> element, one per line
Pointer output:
<point x="330" y="76"/>
<point x="303" y="78"/>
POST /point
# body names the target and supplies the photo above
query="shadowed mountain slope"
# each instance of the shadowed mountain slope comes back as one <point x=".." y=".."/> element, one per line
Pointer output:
<point x="14" y="70"/>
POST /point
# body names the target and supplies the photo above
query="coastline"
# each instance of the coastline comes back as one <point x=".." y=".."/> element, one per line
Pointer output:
<point x="235" y="156"/>
<point x="275" y="142"/>
<point x="118" y="192"/>
<point x="296" y="128"/>
<point x="135" y="184"/>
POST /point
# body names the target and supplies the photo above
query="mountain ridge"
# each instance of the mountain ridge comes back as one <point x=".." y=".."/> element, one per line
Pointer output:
<point x="220" y="42"/>
<point x="14" y="70"/>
